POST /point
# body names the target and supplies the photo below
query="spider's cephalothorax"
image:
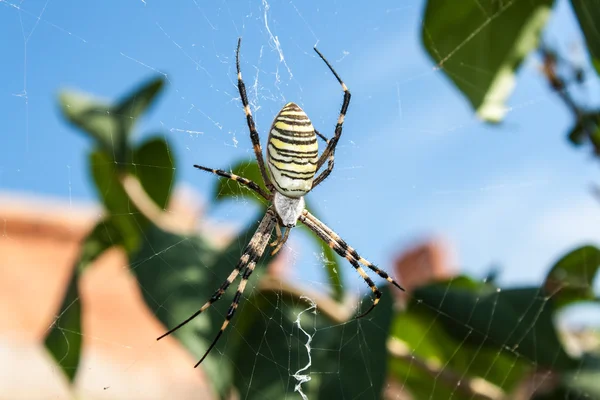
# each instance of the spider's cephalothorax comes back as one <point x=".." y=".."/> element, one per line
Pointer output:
<point x="293" y="160"/>
<point x="292" y="152"/>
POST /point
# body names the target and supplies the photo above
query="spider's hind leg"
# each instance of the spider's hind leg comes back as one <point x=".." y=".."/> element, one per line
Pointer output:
<point x="342" y="249"/>
<point x="351" y="251"/>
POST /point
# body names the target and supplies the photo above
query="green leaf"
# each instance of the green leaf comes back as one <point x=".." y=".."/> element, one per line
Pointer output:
<point x="153" y="166"/>
<point x="585" y="128"/>
<point x="588" y="15"/>
<point x="179" y="281"/>
<point x="582" y="382"/>
<point x="516" y="320"/>
<point x="64" y="338"/>
<point x="104" y="235"/>
<point x="431" y="363"/>
<point x="359" y="363"/>
<point x="571" y="278"/>
<point x="578" y="134"/>
<point x="137" y="102"/>
<point x="93" y="117"/>
<point x="271" y="348"/>
<point x="585" y="380"/>
<point x="480" y="44"/>
<point x="347" y="360"/>
<point x="226" y="188"/>
<point x="124" y="215"/>
<point x="111" y="126"/>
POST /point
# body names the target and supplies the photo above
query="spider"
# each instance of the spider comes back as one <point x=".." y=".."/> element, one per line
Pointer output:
<point x="293" y="161"/>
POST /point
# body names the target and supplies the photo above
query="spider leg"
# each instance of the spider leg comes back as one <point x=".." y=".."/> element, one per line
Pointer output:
<point x="321" y="136"/>
<point x="251" y="125"/>
<point x="278" y="238"/>
<point x="246" y="182"/>
<point x="323" y="235"/>
<point x="233" y="306"/>
<point x="350" y="250"/>
<point x="280" y="241"/>
<point x="322" y="176"/>
<point x="329" y="152"/>
<point x="252" y="253"/>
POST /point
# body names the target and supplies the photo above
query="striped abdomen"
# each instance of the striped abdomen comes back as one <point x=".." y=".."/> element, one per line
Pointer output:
<point x="292" y="151"/>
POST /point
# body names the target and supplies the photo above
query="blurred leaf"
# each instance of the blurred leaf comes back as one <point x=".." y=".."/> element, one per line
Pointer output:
<point x="480" y="44"/>
<point x="432" y="364"/>
<point x="476" y="286"/>
<point x="588" y="15"/>
<point x="425" y="347"/>
<point x="585" y="128"/>
<point x="135" y="103"/>
<point x="346" y="360"/>
<point x="124" y="215"/>
<point x="179" y="281"/>
<point x="571" y="278"/>
<point x="585" y="380"/>
<point x="580" y="383"/>
<point x="64" y="339"/>
<point x="517" y="320"/>
<point x="109" y="125"/>
<point x="271" y="349"/>
<point x="93" y="117"/>
<point x="154" y="168"/>
<point x="361" y="365"/>
<point x="104" y="235"/>
<point x="226" y="188"/>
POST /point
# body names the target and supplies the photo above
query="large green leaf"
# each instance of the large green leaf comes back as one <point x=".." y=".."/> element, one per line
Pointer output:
<point x="64" y="337"/>
<point x="178" y="274"/>
<point x="153" y="166"/>
<point x="137" y="102"/>
<point x="104" y="236"/>
<point x="437" y="365"/>
<point x="63" y="340"/>
<point x="358" y="367"/>
<point x="515" y="320"/>
<point x="479" y="44"/>
<point x="125" y="216"/>
<point x="588" y="15"/>
<point x="272" y="348"/>
<point x="226" y="188"/>
<point x="571" y="278"/>
<point x="110" y="125"/>
<point x="280" y="331"/>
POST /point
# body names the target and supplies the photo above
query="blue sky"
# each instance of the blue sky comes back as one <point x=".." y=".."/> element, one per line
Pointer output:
<point x="413" y="161"/>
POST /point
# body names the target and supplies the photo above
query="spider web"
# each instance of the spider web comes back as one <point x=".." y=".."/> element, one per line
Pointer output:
<point x="401" y="173"/>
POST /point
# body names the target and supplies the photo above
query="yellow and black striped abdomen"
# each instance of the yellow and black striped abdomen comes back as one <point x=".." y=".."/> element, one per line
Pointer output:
<point x="292" y="152"/>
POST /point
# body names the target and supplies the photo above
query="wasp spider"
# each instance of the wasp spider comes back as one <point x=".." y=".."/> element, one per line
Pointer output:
<point x="293" y="161"/>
